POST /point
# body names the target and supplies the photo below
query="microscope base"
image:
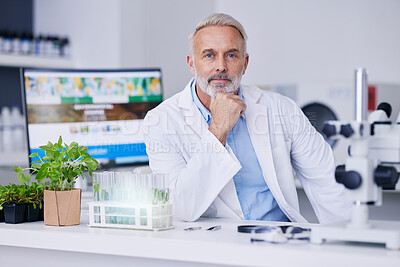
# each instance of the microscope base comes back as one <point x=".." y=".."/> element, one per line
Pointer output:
<point x="384" y="232"/>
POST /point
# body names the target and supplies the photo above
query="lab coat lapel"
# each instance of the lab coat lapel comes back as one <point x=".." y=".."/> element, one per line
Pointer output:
<point x="195" y="121"/>
<point x="190" y="113"/>
<point x="257" y="125"/>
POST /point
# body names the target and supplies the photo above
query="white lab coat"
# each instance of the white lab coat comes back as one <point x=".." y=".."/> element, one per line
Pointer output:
<point x="201" y="169"/>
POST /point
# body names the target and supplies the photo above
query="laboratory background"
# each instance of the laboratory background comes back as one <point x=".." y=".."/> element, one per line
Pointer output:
<point x="307" y="50"/>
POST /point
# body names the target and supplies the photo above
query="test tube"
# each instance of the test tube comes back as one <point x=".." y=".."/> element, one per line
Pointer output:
<point x="96" y="185"/>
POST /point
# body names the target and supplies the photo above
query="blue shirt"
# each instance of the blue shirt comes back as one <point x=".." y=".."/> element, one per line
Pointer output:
<point x="256" y="200"/>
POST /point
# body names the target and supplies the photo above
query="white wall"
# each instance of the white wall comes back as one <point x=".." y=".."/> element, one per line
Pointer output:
<point x="290" y="42"/>
<point x="319" y="40"/>
<point x="92" y="25"/>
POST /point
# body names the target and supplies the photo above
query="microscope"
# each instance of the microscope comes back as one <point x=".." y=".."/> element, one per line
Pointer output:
<point x="373" y="165"/>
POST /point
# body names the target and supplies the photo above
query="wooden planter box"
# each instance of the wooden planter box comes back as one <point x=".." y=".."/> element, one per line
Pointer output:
<point x="62" y="208"/>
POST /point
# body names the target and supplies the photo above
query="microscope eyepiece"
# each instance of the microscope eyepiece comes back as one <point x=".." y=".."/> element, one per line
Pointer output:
<point x="386" y="107"/>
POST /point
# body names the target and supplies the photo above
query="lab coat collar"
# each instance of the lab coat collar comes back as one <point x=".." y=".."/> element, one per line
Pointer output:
<point x="191" y="114"/>
<point x="185" y="98"/>
<point x="250" y="95"/>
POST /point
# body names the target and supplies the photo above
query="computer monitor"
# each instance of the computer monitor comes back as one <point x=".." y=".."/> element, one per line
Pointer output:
<point x="100" y="109"/>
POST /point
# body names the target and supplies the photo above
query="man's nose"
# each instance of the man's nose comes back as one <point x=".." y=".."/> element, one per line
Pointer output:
<point x="221" y="65"/>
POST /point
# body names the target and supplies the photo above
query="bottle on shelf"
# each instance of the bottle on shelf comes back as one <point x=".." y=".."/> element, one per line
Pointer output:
<point x="7" y="136"/>
<point x="64" y="47"/>
<point x="26" y="43"/>
<point x="16" y="43"/>
<point x="47" y="46"/>
<point x="38" y="43"/>
<point x="6" y="42"/>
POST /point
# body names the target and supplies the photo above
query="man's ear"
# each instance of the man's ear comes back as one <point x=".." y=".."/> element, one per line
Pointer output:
<point x="246" y="62"/>
<point x="190" y="62"/>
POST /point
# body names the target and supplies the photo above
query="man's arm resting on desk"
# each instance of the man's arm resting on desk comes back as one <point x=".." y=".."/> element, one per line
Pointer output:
<point x="313" y="162"/>
<point x="199" y="167"/>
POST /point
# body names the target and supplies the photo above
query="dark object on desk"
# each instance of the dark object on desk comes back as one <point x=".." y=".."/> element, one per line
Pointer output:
<point x="2" y="215"/>
<point x="214" y="228"/>
<point x="275" y="234"/>
<point x="286" y="229"/>
<point x="255" y="228"/>
<point x="192" y="228"/>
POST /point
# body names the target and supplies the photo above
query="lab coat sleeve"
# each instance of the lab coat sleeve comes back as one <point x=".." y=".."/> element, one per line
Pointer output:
<point x="195" y="179"/>
<point x="312" y="159"/>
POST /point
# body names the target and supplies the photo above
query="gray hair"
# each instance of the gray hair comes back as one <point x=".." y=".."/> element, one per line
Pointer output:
<point x="218" y="19"/>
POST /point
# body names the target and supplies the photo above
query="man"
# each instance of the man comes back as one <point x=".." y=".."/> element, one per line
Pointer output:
<point x="229" y="148"/>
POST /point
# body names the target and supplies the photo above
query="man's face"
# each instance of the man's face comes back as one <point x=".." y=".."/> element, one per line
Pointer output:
<point x="218" y="61"/>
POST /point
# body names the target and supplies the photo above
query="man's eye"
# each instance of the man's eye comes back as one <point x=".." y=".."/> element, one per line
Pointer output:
<point x="209" y="55"/>
<point x="231" y="55"/>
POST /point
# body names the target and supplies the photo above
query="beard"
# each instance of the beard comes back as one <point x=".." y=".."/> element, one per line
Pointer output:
<point x="213" y="90"/>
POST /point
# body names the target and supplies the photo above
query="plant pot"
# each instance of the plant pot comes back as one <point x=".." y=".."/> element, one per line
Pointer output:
<point x="31" y="214"/>
<point x="41" y="213"/>
<point x="2" y="215"/>
<point x="62" y="208"/>
<point x="14" y="213"/>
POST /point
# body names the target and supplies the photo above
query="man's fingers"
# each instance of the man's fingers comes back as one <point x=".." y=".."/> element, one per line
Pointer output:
<point x="243" y="109"/>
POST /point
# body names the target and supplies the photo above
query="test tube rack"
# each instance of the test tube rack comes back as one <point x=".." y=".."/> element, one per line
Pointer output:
<point x="129" y="215"/>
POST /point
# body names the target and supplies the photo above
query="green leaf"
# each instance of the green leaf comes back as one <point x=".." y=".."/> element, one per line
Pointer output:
<point x="28" y="178"/>
<point x="17" y="169"/>
<point x="72" y="146"/>
<point x="50" y="154"/>
<point x="54" y="176"/>
<point x="59" y="141"/>
<point x="82" y="149"/>
<point x="21" y="178"/>
<point x="91" y="163"/>
<point x="37" y="166"/>
<point x="41" y="173"/>
<point x="57" y="155"/>
<point x="34" y="155"/>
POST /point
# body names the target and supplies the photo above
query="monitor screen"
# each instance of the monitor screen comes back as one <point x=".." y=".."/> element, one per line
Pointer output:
<point x="100" y="109"/>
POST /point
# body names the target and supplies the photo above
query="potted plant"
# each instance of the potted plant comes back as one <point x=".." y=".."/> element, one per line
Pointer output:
<point x="22" y="202"/>
<point x="62" y="164"/>
<point x="13" y="201"/>
<point x="34" y="200"/>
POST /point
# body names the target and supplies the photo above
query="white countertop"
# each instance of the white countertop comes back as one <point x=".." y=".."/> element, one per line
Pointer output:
<point x="225" y="246"/>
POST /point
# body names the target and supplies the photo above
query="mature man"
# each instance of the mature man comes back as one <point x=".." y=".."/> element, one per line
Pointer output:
<point x="229" y="148"/>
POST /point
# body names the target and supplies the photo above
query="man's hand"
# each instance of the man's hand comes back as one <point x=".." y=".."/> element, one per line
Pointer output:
<point x="226" y="108"/>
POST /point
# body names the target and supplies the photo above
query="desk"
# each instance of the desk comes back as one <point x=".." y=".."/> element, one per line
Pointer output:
<point x="34" y="244"/>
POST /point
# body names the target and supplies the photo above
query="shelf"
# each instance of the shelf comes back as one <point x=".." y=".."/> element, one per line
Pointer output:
<point x="35" y="61"/>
